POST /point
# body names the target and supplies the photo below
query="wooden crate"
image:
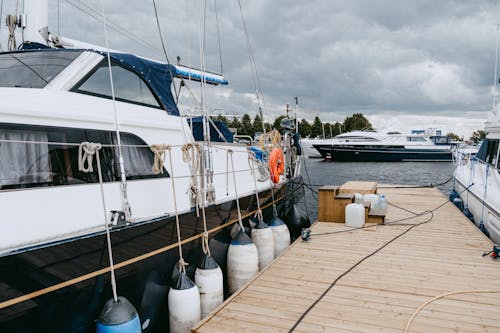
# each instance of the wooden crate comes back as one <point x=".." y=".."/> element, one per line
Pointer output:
<point x="376" y="216"/>
<point x="358" y="187"/>
<point x="326" y="206"/>
<point x="342" y="200"/>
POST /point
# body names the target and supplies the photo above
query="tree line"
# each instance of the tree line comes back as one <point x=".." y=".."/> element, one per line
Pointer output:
<point x="247" y="126"/>
<point x="318" y="129"/>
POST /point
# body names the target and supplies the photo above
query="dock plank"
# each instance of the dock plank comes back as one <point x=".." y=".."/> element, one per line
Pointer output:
<point x="381" y="293"/>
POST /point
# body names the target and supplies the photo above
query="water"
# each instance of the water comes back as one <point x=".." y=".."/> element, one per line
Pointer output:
<point x="319" y="172"/>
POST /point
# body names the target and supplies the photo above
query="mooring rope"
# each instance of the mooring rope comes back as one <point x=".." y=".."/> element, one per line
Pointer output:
<point x="230" y="153"/>
<point x="251" y="159"/>
<point x="85" y="156"/>
<point x="182" y="263"/>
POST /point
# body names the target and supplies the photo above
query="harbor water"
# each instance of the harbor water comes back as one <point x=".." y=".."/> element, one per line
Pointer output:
<point x="319" y="172"/>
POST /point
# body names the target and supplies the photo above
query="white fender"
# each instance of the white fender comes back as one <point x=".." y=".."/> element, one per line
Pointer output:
<point x="263" y="238"/>
<point x="242" y="261"/>
<point x="208" y="278"/>
<point x="183" y="305"/>
<point x="281" y="235"/>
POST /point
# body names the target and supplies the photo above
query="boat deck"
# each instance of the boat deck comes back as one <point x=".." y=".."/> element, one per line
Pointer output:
<point x="380" y="293"/>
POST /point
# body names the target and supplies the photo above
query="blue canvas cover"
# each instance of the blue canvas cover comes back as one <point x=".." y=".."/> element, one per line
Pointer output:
<point x="158" y="75"/>
<point x="214" y="135"/>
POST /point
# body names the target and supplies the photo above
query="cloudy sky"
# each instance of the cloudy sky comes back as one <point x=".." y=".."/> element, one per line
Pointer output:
<point x="404" y="64"/>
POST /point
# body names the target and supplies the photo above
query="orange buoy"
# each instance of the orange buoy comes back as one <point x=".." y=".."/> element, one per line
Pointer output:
<point x="276" y="164"/>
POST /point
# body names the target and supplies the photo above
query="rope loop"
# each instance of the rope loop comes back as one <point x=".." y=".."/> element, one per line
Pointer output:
<point x="182" y="265"/>
<point x="204" y="243"/>
<point x="86" y="152"/>
<point x="159" y="153"/>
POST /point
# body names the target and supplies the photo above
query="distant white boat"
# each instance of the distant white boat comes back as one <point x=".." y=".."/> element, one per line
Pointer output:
<point x="371" y="146"/>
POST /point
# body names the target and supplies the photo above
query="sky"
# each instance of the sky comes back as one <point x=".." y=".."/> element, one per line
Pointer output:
<point x="403" y="64"/>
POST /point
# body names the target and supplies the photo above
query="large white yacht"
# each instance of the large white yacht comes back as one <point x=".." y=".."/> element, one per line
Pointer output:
<point x="54" y="101"/>
<point x="391" y="146"/>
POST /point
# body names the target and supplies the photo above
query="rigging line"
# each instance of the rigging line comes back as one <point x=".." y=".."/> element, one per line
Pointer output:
<point x="164" y="49"/>
<point x="1" y="20"/>
<point x="58" y="16"/>
<point x="218" y="36"/>
<point x="253" y="68"/>
<point x="125" y="204"/>
<point x="121" y="30"/>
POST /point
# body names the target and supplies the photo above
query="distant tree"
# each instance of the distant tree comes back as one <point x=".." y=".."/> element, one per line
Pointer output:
<point x="235" y="124"/>
<point x="246" y="127"/>
<point x="478" y="136"/>
<point x="337" y="128"/>
<point x="277" y="122"/>
<point x="316" y="128"/>
<point x="356" y="122"/>
<point x="223" y="119"/>
<point x="304" y="128"/>
<point x="257" y="124"/>
<point x="267" y="126"/>
<point x="454" y="136"/>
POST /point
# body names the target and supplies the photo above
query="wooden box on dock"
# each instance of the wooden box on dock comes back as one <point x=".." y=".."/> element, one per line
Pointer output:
<point x="342" y="200"/>
<point x="326" y="206"/>
<point x="358" y="187"/>
<point x="376" y="216"/>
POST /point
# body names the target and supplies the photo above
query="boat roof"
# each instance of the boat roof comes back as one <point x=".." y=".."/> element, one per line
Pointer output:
<point x="157" y="75"/>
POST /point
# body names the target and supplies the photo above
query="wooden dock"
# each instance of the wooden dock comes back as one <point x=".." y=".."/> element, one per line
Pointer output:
<point x="383" y="291"/>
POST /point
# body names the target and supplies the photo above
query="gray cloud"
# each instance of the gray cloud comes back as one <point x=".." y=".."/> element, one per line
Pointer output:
<point x="422" y="58"/>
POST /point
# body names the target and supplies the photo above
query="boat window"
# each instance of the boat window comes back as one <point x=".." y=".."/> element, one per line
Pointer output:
<point x="128" y="86"/>
<point x="492" y="153"/>
<point x="30" y="69"/>
<point x="35" y="156"/>
<point x="415" y="139"/>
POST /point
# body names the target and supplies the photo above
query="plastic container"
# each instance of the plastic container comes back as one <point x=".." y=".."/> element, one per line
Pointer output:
<point x="355" y="215"/>
<point x="382" y="204"/>
<point x="373" y="199"/>
<point x="358" y="198"/>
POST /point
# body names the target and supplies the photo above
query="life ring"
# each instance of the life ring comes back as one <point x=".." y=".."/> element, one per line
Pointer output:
<point x="276" y="164"/>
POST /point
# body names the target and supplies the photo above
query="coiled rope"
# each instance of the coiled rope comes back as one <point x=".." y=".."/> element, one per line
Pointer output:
<point x="159" y="157"/>
<point x="86" y="153"/>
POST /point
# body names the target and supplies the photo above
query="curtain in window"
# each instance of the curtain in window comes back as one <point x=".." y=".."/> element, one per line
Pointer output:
<point x="137" y="160"/>
<point x="23" y="163"/>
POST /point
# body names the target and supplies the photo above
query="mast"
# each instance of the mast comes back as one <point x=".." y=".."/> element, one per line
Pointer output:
<point x="36" y="14"/>
<point x="495" y="79"/>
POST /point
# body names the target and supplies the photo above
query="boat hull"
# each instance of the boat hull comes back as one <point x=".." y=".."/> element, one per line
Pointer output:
<point x="364" y="154"/>
<point x="144" y="279"/>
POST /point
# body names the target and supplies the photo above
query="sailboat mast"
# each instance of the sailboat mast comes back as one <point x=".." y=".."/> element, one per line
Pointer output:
<point x="36" y="28"/>
<point x="495" y="79"/>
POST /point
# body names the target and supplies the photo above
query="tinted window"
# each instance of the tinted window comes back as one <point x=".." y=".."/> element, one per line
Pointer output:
<point x="30" y="157"/>
<point x="491" y="156"/>
<point x="33" y="69"/>
<point x="128" y="86"/>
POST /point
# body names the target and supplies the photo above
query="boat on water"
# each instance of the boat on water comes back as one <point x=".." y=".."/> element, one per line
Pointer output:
<point x="371" y="146"/>
<point x="75" y="140"/>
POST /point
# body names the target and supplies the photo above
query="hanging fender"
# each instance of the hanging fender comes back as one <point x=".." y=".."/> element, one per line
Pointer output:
<point x="276" y="164"/>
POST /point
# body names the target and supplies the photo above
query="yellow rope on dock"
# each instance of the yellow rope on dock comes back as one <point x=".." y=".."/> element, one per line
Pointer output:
<point x="456" y="292"/>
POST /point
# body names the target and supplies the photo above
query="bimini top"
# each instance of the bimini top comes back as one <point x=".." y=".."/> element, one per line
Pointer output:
<point x="158" y="76"/>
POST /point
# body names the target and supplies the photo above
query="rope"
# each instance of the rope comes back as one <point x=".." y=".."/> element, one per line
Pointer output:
<point x="218" y="36"/>
<point x="352" y="268"/>
<point x="456" y="292"/>
<point x="191" y="154"/>
<point x="159" y="157"/>
<point x="11" y="26"/>
<point x="204" y="239"/>
<point x="64" y="284"/>
<point x="230" y="153"/>
<point x="251" y="158"/>
<point x="182" y="263"/>
<point x="485" y="192"/>
<point x="90" y="149"/>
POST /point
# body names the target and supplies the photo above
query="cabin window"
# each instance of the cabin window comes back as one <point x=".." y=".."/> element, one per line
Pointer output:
<point x="29" y="69"/>
<point x="128" y="86"/>
<point x="415" y="139"/>
<point x="492" y="153"/>
<point x="30" y="157"/>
